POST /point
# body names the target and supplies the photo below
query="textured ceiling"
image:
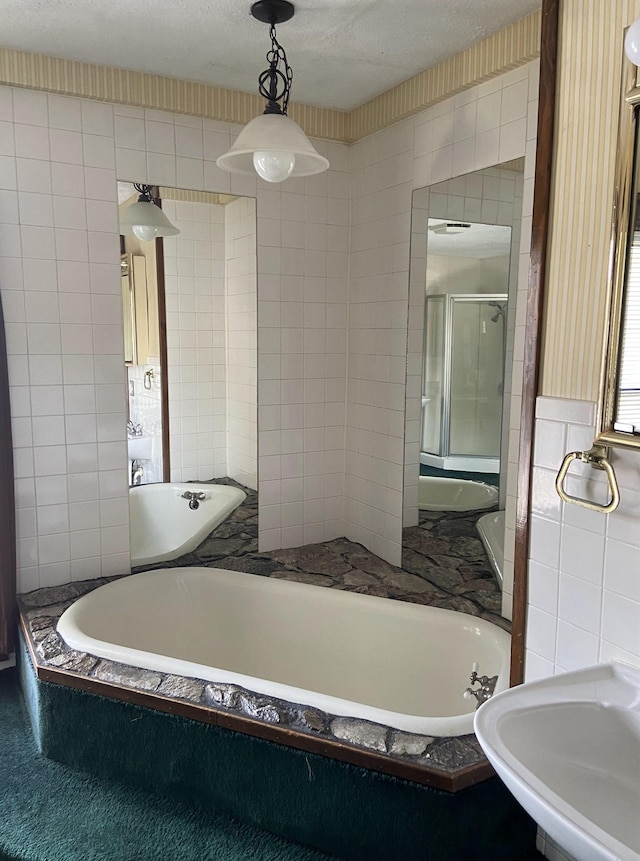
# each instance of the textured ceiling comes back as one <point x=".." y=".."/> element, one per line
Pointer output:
<point x="343" y="52"/>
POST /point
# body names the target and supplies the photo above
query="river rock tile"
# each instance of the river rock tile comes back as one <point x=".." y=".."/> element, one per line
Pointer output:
<point x="403" y="744"/>
<point x="403" y="581"/>
<point x="181" y="688"/>
<point x="452" y="754"/>
<point x="423" y="542"/>
<point x="444" y="578"/>
<point x="361" y="733"/>
<point x="223" y="695"/>
<point x="250" y="565"/>
<point x="77" y="662"/>
<point x="312" y="719"/>
<point x="361" y="559"/>
<point x="122" y="674"/>
<point x="51" y="646"/>
<point x="261" y="709"/>
<point x="215" y="548"/>
<point x="230" y="529"/>
<point x="56" y="594"/>
<point x="470" y="548"/>
<point x="303" y="577"/>
<point x="359" y="578"/>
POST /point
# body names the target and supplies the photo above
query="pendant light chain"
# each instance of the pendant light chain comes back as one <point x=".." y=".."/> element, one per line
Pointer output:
<point x="274" y="79"/>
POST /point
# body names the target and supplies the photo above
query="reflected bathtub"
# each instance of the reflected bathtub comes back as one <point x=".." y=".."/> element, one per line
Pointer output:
<point x="395" y="663"/>
<point x="454" y="494"/>
<point x="163" y="527"/>
<point x="491" y="531"/>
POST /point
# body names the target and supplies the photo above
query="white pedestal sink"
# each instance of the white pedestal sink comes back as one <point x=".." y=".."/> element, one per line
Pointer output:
<point x="568" y="748"/>
<point x="140" y="447"/>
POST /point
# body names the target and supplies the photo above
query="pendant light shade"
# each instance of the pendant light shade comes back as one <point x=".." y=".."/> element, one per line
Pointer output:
<point x="273" y="144"/>
<point x="144" y="219"/>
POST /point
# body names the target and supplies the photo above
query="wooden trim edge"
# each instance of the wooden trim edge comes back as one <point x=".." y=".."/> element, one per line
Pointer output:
<point x="533" y="325"/>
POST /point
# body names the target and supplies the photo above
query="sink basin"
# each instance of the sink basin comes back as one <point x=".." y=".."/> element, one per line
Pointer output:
<point x="139" y="447"/>
<point x="568" y="749"/>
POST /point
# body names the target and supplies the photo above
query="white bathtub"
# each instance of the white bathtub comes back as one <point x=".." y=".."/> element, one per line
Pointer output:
<point x="399" y="664"/>
<point x="491" y="531"/>
<point x="163" y="526"/>
<point x="454" y="494"/>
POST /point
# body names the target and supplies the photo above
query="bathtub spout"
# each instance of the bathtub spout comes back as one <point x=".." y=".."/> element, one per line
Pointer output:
<point x="194" y="499"/>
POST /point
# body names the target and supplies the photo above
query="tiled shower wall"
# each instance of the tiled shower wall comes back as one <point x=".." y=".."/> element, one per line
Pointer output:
<point x="486" y="125"/>
<point x="196" y="355"/>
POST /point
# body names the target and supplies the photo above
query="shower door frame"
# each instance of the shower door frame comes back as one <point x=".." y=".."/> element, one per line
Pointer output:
<point x="449" y="300"/>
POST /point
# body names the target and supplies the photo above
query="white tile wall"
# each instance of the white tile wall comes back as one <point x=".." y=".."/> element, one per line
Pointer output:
<point x="307" y="276"/>
<point x="242" y="342"/>
<point x="59" y="277"/>
<point x="66" y="242"/>
<point x="584" y="575"/>
<point x="196" y="341"/>
<point x="477" y="129"/>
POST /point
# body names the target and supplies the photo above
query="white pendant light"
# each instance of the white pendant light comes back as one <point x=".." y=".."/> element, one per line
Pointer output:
<point x="273" y="145"/>
<point x="144" y="219"/>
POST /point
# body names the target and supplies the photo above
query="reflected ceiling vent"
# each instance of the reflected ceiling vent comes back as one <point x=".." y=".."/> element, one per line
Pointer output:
<point x="450" y="227"/>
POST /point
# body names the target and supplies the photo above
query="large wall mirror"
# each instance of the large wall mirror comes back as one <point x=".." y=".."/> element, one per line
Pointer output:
<point x="190" y="304"/>
<point x="464" y="271"/>
<point x="619" y="420"/>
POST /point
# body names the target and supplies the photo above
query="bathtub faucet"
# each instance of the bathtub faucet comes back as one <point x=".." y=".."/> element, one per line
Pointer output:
<point x="194" y="499"/>
<point x="486" y="689"/>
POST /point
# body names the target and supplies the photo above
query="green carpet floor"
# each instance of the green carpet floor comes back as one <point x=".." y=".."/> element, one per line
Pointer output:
<point x="49" y="812"/>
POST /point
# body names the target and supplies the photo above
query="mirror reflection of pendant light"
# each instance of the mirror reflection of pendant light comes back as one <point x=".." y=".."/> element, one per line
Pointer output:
<point x="450" y="227"/>
<point x="273" y="144"/>
<point x="145" y="219"/>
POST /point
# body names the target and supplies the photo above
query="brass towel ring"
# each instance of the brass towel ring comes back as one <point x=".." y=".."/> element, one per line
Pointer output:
<point x="597" y="457"/>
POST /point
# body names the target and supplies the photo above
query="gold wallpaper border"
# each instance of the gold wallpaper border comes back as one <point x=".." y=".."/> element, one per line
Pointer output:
<point x="190" y="196"/>
<point x="511" y="47"/>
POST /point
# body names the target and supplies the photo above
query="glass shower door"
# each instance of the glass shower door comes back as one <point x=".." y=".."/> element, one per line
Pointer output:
<point x="477" y="373"/>
<point x="434" y="381"/>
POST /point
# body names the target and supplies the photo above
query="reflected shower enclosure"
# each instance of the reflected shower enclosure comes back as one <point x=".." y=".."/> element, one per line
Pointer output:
<point x="463" y="382"/>
<point x="464" y="348"/>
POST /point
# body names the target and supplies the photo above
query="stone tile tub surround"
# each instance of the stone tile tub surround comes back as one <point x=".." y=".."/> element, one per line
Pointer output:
<point x="423" y="755"/>
<point x="446" y="567"/>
